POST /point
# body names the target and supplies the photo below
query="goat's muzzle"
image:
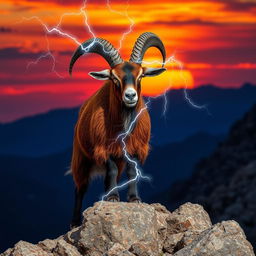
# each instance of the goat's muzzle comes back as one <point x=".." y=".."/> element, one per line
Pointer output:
<point x="130" y="97"/>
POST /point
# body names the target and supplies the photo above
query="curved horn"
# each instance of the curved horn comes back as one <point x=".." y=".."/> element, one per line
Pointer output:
<point x="99" y="46"/>
<point x="145" y="41"/>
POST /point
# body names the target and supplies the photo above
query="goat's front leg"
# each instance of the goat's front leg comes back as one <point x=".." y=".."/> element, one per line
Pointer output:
<point x="110" y="181"/>
<point x="132" y="195"/>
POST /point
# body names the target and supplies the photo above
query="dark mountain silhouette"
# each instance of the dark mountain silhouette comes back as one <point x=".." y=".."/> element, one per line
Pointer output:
<point x="175" y="161"/>
<point x="37" y="199"/>
<point x="43" y="134"/>
<point x="225" y="182"/>
<point x="52" y="132"/>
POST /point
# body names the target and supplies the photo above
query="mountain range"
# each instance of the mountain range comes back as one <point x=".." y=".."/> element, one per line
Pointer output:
<point x="37" y="198"/>
<point x="52" y="132"/>
<point x="225" y="181"/>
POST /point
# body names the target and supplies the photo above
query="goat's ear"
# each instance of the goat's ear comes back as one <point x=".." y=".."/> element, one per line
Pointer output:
<point x="153" y="71"/>
<point x="100" y="75"/>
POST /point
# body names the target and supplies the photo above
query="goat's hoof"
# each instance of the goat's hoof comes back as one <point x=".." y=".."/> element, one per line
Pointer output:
<point x="134" y="200"/>
<point x="113" y="198"/>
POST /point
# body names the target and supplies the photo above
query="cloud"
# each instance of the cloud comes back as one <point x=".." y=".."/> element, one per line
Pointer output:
<point x="17" y="53"/>
<point x="219" y="55"/>
<point x="238" y="5"/>
<point x="185" y="22"/>
<point x="215" y="38"/>
<point x="5" y="30"/>
<point x="80" y="2"/>
<point x="221" y="66"/>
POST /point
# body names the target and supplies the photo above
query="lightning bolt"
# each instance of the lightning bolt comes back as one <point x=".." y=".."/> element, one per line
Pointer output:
<point x="47" y="54"/>
<point x="125" y="14"/>
<point x="121" y="137"/>
<point x="124" y="135"/>
<point x="58" y="30"/>
<point x="172" y="59"/>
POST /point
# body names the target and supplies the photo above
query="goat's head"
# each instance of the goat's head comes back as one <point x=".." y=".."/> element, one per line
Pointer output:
<point x="125" y="76"/>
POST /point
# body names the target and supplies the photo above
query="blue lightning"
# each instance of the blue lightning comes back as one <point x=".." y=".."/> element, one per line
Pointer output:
<point x="47" y="54"/>
<point x="125" y="14"/>
<point x="186" y="96"/>
<point x="121" y="137"/>
<point x="82" y="11"/>
<point x="172" y="59"/>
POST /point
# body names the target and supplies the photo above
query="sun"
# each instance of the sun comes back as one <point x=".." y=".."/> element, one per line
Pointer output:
<point x="174" y="77"/>
<point x="170" y="79"/>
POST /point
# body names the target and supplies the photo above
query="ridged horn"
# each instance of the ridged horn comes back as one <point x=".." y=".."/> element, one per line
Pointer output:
<point x="145" y="41"/>
<point x="99" y="46"/>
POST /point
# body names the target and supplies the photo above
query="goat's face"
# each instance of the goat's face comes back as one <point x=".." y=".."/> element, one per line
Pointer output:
<point x="124" y="76"/>
<point x="126" y="80"/>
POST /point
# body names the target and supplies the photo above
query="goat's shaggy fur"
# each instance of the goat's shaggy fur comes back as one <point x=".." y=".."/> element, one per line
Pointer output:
<point x="101" y="119"/>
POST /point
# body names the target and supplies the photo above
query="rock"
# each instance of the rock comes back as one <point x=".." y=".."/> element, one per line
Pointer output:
<point x="65" y="249"/>
<point x="223" y="239"/>
<point x="118" y="249"/>
<point x="26" y="249"/>
<point x="139" y="249"/>
<point x="184" y="225"/>
<point x="108" y="223"/>
<point x="132" y="229"/>
<point x="48" y="245"/>
<point x="225" y="182"/>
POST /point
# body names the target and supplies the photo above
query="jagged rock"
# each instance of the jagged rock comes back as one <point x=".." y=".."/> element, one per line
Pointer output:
<point x="65" y="249"/>
<point x="132" y="229"/>
<point x="48" y="244"/>
<point x="184" y="225"/>
<point x="118" y="249"/>
<point x="223" y="239"/>
<point x="26" y="249"/>
<point x="225" y="182"/>
<point x="109" y="223"/>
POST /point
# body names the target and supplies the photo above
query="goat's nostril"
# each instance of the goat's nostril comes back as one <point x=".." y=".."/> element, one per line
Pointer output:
<point x="130" y="96"/>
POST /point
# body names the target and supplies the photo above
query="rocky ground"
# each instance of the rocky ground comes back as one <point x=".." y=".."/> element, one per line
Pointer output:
<point x="131" y="229"/>
<point x="225" y="182"/>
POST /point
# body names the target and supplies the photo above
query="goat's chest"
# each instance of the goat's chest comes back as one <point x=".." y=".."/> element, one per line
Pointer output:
<point x="124" y="139"/>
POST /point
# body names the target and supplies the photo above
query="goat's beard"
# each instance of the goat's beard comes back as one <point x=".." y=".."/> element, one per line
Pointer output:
<point x="128" y="114"/>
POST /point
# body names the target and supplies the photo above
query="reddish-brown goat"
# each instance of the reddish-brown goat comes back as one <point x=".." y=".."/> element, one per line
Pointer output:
<point x="108" y="113"/>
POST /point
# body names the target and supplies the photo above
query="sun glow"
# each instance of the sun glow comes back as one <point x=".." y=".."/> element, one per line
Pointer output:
<point x="175" y="77"/>
<point x="171" y="79"/>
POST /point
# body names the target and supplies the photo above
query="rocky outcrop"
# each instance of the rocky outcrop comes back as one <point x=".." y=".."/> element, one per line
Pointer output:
<point x="225" y="182"/>
<point x="132" y="229"/>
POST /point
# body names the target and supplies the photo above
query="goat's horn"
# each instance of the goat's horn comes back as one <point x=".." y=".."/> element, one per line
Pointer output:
<point x="145" y="41"/>
<point x="99" y="46"/>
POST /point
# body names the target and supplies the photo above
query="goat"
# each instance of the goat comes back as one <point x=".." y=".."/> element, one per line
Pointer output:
<point x="109" y="112"/>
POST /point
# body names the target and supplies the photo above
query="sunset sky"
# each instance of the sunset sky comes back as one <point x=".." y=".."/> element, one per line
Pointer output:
<point x="214" y="40"/>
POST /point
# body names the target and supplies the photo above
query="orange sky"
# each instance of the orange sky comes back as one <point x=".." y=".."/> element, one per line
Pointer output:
<point x="215" y="41"/>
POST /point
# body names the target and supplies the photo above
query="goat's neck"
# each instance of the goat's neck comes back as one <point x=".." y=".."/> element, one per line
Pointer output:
<point x="128" y="116"/>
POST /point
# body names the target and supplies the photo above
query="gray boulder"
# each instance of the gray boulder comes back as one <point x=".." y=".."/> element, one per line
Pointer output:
<point x="132" y="229"/>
